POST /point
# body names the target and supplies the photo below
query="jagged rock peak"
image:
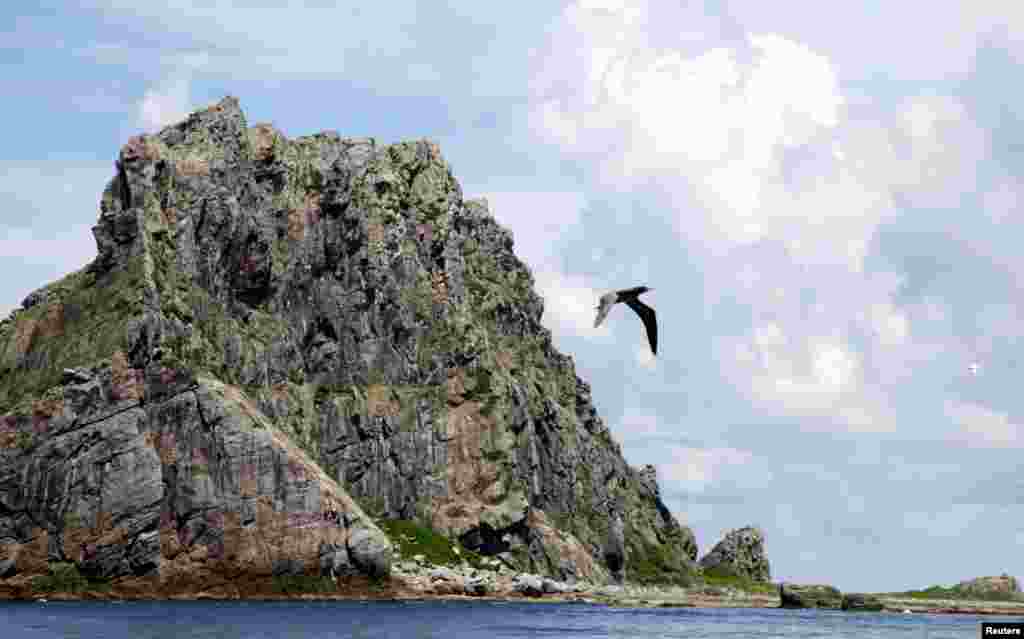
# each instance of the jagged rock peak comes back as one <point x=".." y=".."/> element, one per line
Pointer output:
<point x="741" y="553"/>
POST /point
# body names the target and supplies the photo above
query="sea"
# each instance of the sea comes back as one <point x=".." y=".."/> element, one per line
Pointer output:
<point x="456" y="620"/>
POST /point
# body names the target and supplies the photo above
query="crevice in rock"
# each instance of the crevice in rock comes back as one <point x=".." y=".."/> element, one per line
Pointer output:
<point x="75" y="425"/>
<point x="123" y="188"/>
<point x="197" y="229"/>
<point x="489" y="541"/>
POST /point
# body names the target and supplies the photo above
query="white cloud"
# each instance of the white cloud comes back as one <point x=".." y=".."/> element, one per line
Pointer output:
<point x="891" y="326"/>
<point x="756" y="146"/>
<point x="983" y="427"/>
<point x="165" y="104"/>
<point x="819" y="378"/>
<point x="711" y="126"/>
<point x="938" y="149"/>
<point x="802" y="374"/>
<point x="170" y="101"/>
<point x="716" y="127"/>
<point x="570" y="303"/>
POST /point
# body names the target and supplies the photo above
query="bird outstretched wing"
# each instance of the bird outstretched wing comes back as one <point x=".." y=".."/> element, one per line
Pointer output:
<point x="604" y="305"/>
<point x="647" y="316"/>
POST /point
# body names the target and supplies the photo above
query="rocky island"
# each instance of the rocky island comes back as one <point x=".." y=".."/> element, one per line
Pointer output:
<point x="283" y="348"/>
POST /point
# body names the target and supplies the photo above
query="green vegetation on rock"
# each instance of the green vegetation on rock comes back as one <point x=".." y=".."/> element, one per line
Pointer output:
<point x="739" y="583"/>
<point x="654" y="564"/>
<point x="81" y="321"/>
<point x="65" y="578"/>
<point x="956" y="593"/>
<point x="412" y="538"/>
<point x="303" y="584"/>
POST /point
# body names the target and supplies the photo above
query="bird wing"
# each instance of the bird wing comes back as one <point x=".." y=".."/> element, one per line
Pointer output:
<point x="604" y="305"/>
<point x="647" y="316"/>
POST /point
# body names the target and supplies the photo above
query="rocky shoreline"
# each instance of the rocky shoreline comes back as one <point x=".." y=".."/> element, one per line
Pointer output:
<point x="418" y="580"/>
<point x="628" y="597"/>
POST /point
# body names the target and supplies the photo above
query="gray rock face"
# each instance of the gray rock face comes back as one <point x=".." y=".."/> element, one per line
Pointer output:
<point x="370" y="551"/>
<point x="288" y="568"/>
<point x="125" y="487"/>
<point x="8" y="568"/>
<point x="290" y="316"/>
<point x="615" y="550"/>
<point x="335" y="561"/>
<point x="529" y="585"/>
<point x="550" y="586"/>
<point x="740" y="554"/>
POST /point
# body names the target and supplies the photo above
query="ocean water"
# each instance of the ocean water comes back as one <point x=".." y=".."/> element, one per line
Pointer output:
<point x="450" y="620"/>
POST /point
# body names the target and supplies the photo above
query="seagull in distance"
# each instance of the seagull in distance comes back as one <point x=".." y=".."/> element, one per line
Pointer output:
<point x="630" y="297"/>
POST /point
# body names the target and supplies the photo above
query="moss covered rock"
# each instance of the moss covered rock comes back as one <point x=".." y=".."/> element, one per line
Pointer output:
<point x="275" y="325"/>
<point x="740" y="554"/>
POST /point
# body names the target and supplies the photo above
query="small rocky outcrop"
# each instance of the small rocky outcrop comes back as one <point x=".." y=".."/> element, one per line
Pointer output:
<point x="529" y="585"/>
<point x="477" y="586"/>
<point x="989" y="587"/>
<point x="809" y="596"/>
<point x="281" y="341"/>
<point x="856" y="602"/>
<point x="741" y="554"/>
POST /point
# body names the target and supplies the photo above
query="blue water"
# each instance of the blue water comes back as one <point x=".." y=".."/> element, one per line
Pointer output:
<point x="450" y="620"/>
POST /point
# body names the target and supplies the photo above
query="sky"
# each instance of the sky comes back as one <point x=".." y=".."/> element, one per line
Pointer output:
<point x="825" y="198"/>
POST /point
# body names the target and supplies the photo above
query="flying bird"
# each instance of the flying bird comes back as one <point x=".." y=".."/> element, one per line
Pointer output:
<point x="630" y="296"/>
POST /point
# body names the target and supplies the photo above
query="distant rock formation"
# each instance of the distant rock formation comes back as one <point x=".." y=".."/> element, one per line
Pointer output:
<point x="281" y="341"/>
<point x="990" y="586"/>
<point x="859" y="602"/>
<point x="810" y="596"/>
<point x="741" y="553"/>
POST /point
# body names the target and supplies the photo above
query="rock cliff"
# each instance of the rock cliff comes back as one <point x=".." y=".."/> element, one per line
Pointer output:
<point x="274" y="329"/>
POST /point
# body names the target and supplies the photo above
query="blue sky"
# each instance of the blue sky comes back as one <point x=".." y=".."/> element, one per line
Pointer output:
<point x="824" y="196"/>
